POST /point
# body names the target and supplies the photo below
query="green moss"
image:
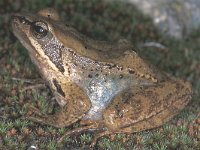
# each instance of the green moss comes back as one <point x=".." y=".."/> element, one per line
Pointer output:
<point x="105" y="143"/>
<point x="85" y="138"/>
<point x="52" y="145"/>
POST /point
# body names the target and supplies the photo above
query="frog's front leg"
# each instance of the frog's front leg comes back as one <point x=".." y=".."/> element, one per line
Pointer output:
<point x="60" y="119"/>
<point x="85" y="125"/>
<point x="149" y="108"/>
<point x="76" y="104"/>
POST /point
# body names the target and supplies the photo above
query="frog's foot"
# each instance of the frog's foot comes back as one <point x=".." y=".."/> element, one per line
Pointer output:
<point x="34" y="110"/>
<point x="42" y="118"/>
<point x="91" y="126"/>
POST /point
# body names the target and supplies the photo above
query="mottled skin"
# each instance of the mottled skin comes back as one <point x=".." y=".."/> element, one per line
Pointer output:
<point x="105" y="85"/>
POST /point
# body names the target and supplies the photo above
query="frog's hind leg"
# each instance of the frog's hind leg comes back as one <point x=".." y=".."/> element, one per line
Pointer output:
<point x="144" y="124"/>
<point x="149" y="108"/>
<point x="155" y="120"/>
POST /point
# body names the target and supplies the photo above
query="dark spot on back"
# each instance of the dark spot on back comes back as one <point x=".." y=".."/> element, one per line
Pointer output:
<point x="61" y="68"/>
<point x="118" y="111"/>
<point x="89" y="76"/>
<point x="58" y="87"/>
<point x="120" y="68"/>
<point x="68" y="71"/>
<point x="110" y="66"/>
<point x="131" y="71"/>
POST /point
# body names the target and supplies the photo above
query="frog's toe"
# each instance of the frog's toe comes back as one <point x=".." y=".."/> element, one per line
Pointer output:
<point x="46" y="119"/>
<point x="35" y="119"/>
<point x="93" y="126"/>
<point x="35" y="110"/>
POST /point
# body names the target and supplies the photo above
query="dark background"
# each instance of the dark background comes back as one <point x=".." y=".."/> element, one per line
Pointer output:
<point x="104" y="21"/>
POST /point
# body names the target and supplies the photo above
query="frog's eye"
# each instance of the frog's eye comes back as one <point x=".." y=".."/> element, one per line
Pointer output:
<point x="39" y="29"/>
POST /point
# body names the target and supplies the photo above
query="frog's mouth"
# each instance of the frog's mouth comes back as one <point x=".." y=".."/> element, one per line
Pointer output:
<point x="21" y="27"/>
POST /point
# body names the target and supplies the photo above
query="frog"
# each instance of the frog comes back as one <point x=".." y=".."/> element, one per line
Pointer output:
<point x="105" y="86"/>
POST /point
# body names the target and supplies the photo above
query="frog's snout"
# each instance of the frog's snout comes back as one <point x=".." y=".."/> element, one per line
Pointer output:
<point x="14" y="19"/>
<point x="18" y="19"/>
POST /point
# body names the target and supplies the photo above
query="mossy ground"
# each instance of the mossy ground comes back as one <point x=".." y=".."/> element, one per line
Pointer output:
<point x="104" y="21"/>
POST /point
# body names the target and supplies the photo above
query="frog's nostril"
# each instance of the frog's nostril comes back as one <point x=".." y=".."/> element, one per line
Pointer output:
<point x="23" y="20"/>
<point x="17" y="18"/>
<point x="14" y="18"/>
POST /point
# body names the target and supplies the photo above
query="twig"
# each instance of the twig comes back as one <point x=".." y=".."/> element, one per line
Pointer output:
<point x="24" y="80"/>
<point x="4" y="116"/>
<point x="33" y="87"/>
<point x="154" y="44"/>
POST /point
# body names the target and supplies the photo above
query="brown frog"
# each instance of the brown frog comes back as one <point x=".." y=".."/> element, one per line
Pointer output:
<point x="106" y="86"/>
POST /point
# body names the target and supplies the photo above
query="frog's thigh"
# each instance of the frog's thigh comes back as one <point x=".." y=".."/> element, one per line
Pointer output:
<point x="149" y="108"/>
<point x="152" y="122"/>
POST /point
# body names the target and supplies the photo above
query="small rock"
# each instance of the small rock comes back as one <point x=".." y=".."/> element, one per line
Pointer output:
<point x="176" y="18"/>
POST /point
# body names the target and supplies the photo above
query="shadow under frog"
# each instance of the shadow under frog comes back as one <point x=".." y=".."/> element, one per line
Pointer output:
<point x="105" y="85"/>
